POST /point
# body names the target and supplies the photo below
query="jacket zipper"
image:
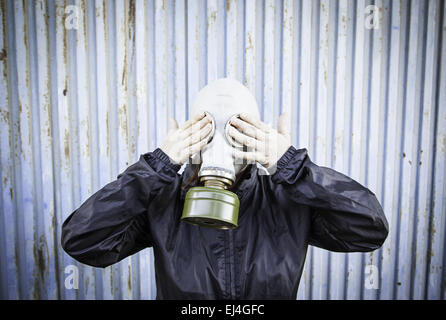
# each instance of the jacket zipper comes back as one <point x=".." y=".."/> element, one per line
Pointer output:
<point x="232" y="294"/>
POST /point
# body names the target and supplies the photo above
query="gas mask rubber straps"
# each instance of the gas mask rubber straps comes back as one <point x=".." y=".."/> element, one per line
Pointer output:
<point x="211" y="204"/>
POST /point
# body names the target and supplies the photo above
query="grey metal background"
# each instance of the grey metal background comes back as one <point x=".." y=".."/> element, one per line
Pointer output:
<point x="77" y="106"/>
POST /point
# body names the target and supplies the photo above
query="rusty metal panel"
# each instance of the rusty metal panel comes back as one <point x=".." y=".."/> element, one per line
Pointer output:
<point x="88" y="86"/>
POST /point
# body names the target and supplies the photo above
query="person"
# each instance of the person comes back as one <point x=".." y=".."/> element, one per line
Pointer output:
<point x="293" y="204"/>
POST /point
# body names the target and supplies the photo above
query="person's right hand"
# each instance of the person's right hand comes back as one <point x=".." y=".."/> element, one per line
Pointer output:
<point x="186" y="140"/>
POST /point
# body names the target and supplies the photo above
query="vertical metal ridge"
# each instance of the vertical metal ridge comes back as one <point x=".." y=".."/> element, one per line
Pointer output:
<point x="383" y="199"/>
<point x="241" y="40"/>
<point x="331" y="79"/>
<point x="303" y="101"/>
<point x="321" y="129"/>
<point x="51" y="100"/>
<point x="354" y="260"/>
<point x="94" y="123"/>
<point x="171" y="65"/>
<point x="73" y="129"/>
<point x="24" y="154"/>
<point x="85" y="107"/>
<point x="133" y="280"/>
<point x="151" y="74"/>
<point x="44" y="161"/>
<point x="211" y="41"/>
<point x="270" y="28"/>
<point x="151" y="106"/>
<point x="259" y="68"/>
<point x="4" y="112"/>
<point x="436" y="60"/>
<point x="278" y="59"/>
<point x="296" y="70"/>
<point x="141" y="283"/>
<point x="417" y="287"/>
<point x="9" y="265"/>
<point x="113" y="77"/>
<point x="123" y="70"/>
<point x="203" y="39"/>
<point x="313" y="24"/>
<point x="366" y="100"/>
<point x="192" y="50"/>
<point x="61" y="146"/>
<point x="438" y="238"/>
<point x="405" y="152"/>
<point x="186" y="59"/>
<point x="404" y="53"/>
<point x="337" y="267"/>
<point x="352" y="13"/>
<point x="435" y="286"/>
<point x="442" y="216"/>
<point x="34" y="129"/>
<point x="224" y="30"/>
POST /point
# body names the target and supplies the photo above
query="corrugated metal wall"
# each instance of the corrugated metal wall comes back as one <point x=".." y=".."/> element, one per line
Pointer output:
<point x="81" y="98"/>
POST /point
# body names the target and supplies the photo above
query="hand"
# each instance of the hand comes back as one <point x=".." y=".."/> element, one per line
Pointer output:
<point x="188" y="139"/>
<point x="267" y="144"/>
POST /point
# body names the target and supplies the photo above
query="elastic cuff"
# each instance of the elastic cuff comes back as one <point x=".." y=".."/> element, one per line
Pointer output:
<point x="286" y="157"/>
<point x="164" y="158"/>
<point x="289" y="166"/>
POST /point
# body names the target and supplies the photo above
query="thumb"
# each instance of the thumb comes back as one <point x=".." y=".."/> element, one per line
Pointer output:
<point x="172" y="124"/>
<point x="282" y="124"/>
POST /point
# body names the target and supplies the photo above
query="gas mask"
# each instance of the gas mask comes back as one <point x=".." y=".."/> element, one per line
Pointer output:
<point x="211" y="204"/>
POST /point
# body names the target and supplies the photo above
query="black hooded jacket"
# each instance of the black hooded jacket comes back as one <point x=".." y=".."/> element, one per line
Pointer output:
<point x="280" y="215"/>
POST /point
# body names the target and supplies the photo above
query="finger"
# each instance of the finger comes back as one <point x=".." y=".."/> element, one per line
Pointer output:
<point x="193" y="149"/>
<point x="196" y="127"/>
<point x="193" y="120"/>
<point x="251" y="156"/>
<point x="254" y="121"/>
<point x="282" y="124"/>
<point x="173" y="124"/>
<point x="245" y="139"/>
<point x="248" y="129"/>
<point x="204" y="121"/>
<point x="199" y="135"/>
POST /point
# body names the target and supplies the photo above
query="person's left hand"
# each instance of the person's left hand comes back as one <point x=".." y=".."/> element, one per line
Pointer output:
<point x="267" y="144"/>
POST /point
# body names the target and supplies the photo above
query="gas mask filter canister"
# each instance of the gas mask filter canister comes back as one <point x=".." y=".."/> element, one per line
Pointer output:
<point x="212" y="205"/>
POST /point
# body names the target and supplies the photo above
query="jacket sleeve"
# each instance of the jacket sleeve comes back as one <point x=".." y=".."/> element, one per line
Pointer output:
<point x="112" y="224"/>
<point x="345" y="216"/>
